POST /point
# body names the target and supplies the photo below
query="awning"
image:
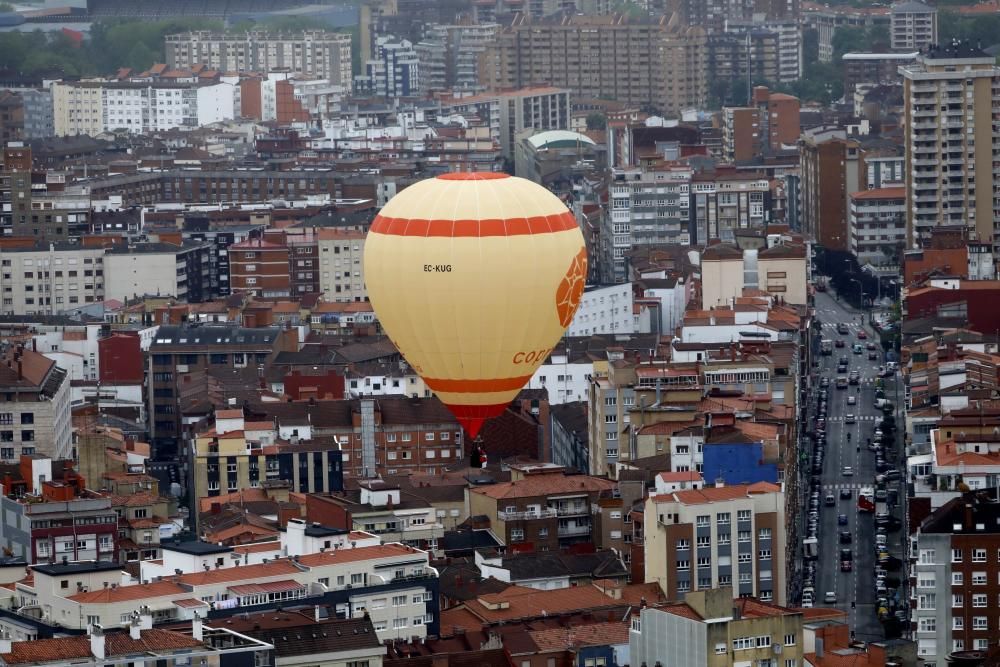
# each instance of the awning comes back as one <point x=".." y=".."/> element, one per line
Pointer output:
<point x="190" y="603"/>
<point x="283" y="586"/>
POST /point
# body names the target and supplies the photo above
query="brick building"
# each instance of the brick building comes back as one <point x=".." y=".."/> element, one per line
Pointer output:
<point x="260" y="268"/>
<point x="542" y="508"/>
<point x="955" y="580"/>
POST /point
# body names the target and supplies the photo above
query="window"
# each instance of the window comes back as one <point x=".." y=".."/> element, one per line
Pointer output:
<point x="516" y="534"/>
<point x="398" y="623"/>
<point x="27" y="436"/>
<point x="683" y="545"/>
<point x="979" y="555"/>
<point x="956" y="555"/>
<point x="957" y="579"/>
<point x="927" y="601"/>
<point x="979" y="623"/>
<point x="683" y="565"/>
<point x="743" y="515"/>
<point x="926" y="557"/>
<point x="704" y="541"/>
<point x="925" y="580"/>
<point x="957" y="600"/>
<point x="724" y="539"/>
<point x="764" y="534"/>
<point x="978" y="578"/>
<point x="29" y="418"/>
<point x="789" y="640"/>
<point x="704" y="562"/>
<point x="958" y="623"/>
<point x="745" y="558"/>
<point x="979" y="600"/>
<point x="928" y="624"/>
<point x="722" y="518"/>
<point x="743" y="536"/>
<point x="398" y="600"/>
<point x="764" y="554"/>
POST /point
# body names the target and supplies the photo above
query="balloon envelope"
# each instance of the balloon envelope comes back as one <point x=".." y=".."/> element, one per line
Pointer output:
<point x="475" y="277"/>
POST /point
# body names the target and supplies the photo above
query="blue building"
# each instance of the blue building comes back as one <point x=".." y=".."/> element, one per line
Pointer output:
<point x="737" y="463"/>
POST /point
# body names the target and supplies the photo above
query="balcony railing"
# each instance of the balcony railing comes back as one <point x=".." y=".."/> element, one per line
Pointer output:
<point x="527" y="516"/>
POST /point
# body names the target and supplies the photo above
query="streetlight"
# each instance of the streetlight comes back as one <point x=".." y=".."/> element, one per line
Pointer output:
<point x="861" y="293"/>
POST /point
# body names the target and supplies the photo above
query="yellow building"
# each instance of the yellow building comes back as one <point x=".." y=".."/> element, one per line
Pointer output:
<point x="78" y="108"/>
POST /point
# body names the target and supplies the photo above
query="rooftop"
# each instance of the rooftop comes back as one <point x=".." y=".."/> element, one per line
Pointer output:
<point x="66" y="649"/>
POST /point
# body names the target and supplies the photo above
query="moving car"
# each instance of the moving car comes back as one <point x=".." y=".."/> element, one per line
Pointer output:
<point x="845" y="494"/>
<point x="846" y="566"/>
<point x="830" y="597"/>
<point x="852" y="400"/>
<point x="841" y="519"/>
<point x="861" y="334"/>
<point x="848" y="471"/>
<point x="873" y="356"/>
<point x="830" y="501"/>
<point x="838" y="343"/>
<point x="849" y="418"/>
<point x="842" y="328"/>
<point x="846" y="537"/>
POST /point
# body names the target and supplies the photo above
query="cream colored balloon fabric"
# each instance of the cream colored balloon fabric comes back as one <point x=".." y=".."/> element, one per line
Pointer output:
<point x="475" y="277"/>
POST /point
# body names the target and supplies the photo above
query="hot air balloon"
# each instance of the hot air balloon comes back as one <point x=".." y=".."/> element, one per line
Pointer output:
<point x="475" y="277"/>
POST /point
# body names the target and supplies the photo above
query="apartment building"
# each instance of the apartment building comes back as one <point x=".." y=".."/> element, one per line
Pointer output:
<point x="721" y="536"/>
<point x="178" y="350"/>
<point x="35" y="417"/>
<point x="718" y="631"/>
<point x="912" y="26"/>
<point x="315" y="53"/>
<point x="260" y="268"/>
<point x="647" y="207"/>
<point x="341" y="265"/>
<point x="164" y="269"/>
<point x="604" y="310"/>
<point x="827" y="19"/>
<point x="950" y="95"/>
<point x="92" y="107"/>
<point x="235" y="453"/>
<point x="830" y="168"/>
<point x="733" y="57"/>
<point x="955" y="577"/>
<point x="726" y="200"/>
<point x="873" y="68"/>
<point x="770" y="124"/>
<point x="50" y="516"/>
<point x="449" y="56"/>
<point x="775" y="47"/>
<point x="877" y="224"/>
<point x="48" y="279"/>
<point x="390" y="435"/>
<point x="393" y="584"/>
<point x="660" y="62"/>
<point x="541" y="507"/>
<point x="393" y="72"/>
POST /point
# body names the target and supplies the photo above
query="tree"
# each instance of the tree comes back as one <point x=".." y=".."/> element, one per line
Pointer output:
<point x="596" y="121"/>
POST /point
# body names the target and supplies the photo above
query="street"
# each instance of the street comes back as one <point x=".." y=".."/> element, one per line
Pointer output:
<point x="858" y="585"/>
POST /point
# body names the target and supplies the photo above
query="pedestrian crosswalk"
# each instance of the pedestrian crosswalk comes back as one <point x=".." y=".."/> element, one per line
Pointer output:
<point x="854" y="486"/>
<point x="860" y="418"/>
<point x="852" y="325"/>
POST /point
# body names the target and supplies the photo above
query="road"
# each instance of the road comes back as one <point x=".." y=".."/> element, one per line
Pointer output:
<point x="859" y="584"/>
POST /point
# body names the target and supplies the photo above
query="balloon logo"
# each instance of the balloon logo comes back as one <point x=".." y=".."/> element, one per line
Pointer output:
<point x="571" y="288"/>
<point x="463" y="271"/>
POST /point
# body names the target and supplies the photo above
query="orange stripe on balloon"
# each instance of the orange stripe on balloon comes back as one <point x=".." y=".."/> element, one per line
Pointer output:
<point x="478" y="386"/>
<point x="542" y="224"/>
<point x="473" y="176"/>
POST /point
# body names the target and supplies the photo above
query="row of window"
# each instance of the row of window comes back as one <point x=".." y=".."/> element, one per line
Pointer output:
<point x="723" y="538"/>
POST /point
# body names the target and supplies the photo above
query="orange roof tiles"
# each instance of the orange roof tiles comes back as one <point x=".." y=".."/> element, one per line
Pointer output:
<point x="63" y="649"/>
<point x="359" y="553"/>
<point x="530" y="603"/>
<point x="128" y="593"/>
<point x="689" y="476"/>
<point x="544" y="485"/>
<point x="714" y="494"/>
<point x="596" y="634"/>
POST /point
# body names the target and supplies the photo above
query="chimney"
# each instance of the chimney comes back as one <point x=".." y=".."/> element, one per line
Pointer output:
<point x="719" y="482"/>
<point x="97" y="641"/>
<point x="145" y="617"/>
<point x="5" y="642"/>
<point x="134" y="631"/>
<point x="969" y="520"/>
<point x="316" y="613"/>
<point x="20" y="369"/>
<point x="197" y="631"/>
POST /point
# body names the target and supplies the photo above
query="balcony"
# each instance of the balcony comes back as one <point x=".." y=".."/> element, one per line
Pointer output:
<point x="571" y="509"/>
<point x="573" y="530"/>
<point x="527" y="516"/>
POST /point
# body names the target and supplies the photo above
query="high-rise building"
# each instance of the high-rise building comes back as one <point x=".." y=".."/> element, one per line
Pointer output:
<point x="877" y="224"/>
<point x="951" y="95"/>
<point x="701" y="539"/>
<point x="449" y="56"/>
<point x="316" y="53"/>
<point x="770" y="123"/>
<point x="913" y="26"/>
<point x="394" y="71"/>
<point x="830" y="171"/>
<point x="659" y="64"/>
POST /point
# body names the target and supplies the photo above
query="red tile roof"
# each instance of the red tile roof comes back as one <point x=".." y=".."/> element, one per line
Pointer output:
<point x="128" y="593"/>
<point x="714" y="494"/>
<point x="596" y="634"/>
<point x="544" y="485"/>
<point x="63" y="649"/>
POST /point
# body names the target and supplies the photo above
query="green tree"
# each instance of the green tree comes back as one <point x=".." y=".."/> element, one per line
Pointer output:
<point x="596" y="121"/>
